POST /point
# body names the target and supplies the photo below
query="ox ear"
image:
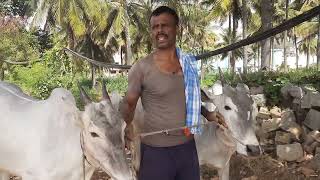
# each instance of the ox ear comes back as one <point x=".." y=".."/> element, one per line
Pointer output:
<point x="204" y="96"/>
<point x="84" y="96"/>
<point x="105" y="95"/>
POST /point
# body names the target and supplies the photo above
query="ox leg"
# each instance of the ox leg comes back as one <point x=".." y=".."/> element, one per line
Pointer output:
<point x="4" y="176"/>
<point x="224" y="172"/>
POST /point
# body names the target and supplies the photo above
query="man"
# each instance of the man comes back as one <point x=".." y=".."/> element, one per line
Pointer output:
<point x="169" y="89"/>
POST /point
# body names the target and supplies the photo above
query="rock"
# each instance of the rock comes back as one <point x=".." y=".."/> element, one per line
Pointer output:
<point x="310" y="99"/>
<point x="288" y="115"/>
<point x="259" y="99"/>
<point x="270" y="125"/>
<point x="285" y="91"/>
<point x="317" y="150"/>
<point x="282" y="138"/>
<point x="250" y="178"/>
<point x="256" y="90"/>
<point x="313" y="119"/>
<point x="275" y="112"/>
<point x="308" y="139"/>
<point x="300" y="113"/>
<point x="215" y="178"/>
<point x="264" y="113"/>
<point x="306" y="171"/>
<point x="295" y="92"/>
<point x="315" y="135"/>
<point x="315" y="162"/>
<point x="292" y="127"/>
<point x="312" y="147"/>
<point x="290" y="152"/>
<point x="305" y="129"/>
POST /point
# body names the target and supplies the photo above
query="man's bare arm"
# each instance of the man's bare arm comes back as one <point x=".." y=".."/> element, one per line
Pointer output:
<point x="128" y="106"/>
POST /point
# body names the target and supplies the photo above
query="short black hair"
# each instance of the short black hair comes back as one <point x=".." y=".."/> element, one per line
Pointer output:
<point x="165" y="9"/>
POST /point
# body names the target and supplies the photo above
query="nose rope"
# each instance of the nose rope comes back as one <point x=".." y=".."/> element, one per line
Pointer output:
<point x="166" y="131"/>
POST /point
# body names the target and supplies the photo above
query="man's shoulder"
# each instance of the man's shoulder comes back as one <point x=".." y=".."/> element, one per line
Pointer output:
<point x="142" y="65"/>
<point x="145" y="60"/>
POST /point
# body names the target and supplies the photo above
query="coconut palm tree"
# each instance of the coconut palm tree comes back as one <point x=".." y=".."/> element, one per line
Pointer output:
<point x="266" y="20"/>
<point x="224" y="10"/>
<point x="308" y="46"/>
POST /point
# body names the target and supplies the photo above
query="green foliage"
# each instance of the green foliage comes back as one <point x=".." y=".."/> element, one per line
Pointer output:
<point x="117" y="84"/>
<point x="39" y="79"/>
<point x="18" y="45"/>
<point x="56" y="70"/>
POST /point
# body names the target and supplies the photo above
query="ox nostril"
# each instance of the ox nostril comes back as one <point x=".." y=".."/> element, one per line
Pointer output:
<point x="227" y="107"/>
<point x="253" y="150"/>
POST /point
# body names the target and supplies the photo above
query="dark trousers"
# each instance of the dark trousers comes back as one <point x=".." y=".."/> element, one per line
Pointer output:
<point x="169" y="163"/>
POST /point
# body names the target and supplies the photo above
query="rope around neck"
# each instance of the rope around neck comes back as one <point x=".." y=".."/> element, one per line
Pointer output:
<point x="166" y="131"/>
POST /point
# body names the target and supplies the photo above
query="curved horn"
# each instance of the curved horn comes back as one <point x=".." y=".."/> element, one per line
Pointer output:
<point x="105" y="95"/>
<point x="221" y="77"/>
<point x="83" y="95"/>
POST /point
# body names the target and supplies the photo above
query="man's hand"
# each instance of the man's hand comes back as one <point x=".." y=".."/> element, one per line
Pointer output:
<point x="213" y="116"/>
<point x="216" y="117"/>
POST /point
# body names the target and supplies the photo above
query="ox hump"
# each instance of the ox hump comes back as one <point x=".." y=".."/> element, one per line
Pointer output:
<point x="62" y="95"/>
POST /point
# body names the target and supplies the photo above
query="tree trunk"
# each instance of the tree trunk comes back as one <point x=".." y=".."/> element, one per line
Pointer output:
<point x="1" y="72"/>
<point x="71" y="43"/>
<point x="285" y="41"/>
<point x="308" y="53"/>
<point x="285" y="51"/>
<point x="318" y="45"/>
<point x="126" y="30"/>
<point x="266" y="20"/>
<point x="272" y="53"/>
<point x="230" y="53"/>
<point x="297" y="53"/>
<point x="93" y="70"/>
<point x="234" y="34"/>
<point x="259" y="55"/>
<point x="244" y="35"/>
<point x="255" y="60"/>
<point x="181" y="35"/>
<point x="121" y="56"/>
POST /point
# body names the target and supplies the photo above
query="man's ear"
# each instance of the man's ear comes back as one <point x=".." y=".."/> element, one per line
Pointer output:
<point x="204" y="96"/>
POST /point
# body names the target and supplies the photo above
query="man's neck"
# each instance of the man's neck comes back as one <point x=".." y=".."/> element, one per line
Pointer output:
<point x="166" y="54"/>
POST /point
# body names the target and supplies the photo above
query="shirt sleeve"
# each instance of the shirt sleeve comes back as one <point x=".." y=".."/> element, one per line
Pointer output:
<point x="135" y="78"/>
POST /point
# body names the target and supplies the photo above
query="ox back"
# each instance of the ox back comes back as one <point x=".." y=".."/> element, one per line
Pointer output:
<point x="39" y="139"/>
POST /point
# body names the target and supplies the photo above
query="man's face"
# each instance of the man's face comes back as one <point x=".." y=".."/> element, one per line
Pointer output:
<point x="163" y="31"/>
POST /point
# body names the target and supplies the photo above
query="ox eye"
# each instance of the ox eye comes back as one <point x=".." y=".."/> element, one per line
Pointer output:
<point x="93" y="134"/>
<point x="227" y="107"/>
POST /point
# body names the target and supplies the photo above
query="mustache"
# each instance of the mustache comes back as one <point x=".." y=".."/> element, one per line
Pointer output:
<point x="162" y="34"/>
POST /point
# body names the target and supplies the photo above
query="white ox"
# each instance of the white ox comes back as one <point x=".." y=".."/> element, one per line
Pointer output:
<point x="40" y="140"/>
<point x="215" y="146"/>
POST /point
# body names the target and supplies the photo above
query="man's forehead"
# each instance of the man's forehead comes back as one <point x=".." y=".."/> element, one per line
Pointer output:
<point x="163" y="18"/>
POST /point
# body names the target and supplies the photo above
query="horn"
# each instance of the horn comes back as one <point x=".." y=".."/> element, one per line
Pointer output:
<point x="105" y="95"/>
<point x="221" y="77"/>
<point x="240" y="77"/>
<point x="83" y="95"/>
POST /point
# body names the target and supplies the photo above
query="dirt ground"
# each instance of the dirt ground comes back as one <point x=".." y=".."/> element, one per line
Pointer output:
<point x="254" y="168"/>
